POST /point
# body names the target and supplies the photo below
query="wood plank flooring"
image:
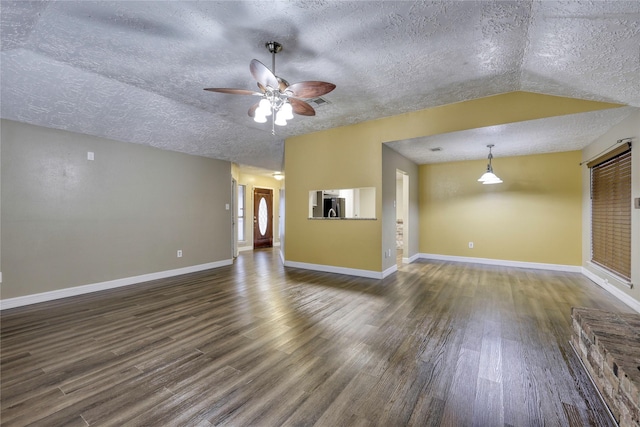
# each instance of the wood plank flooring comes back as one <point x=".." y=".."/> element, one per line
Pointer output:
<point x="436" y="344"/>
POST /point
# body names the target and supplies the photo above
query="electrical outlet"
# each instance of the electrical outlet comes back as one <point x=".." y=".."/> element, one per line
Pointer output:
<point x="179" y="254"/>
<point x="470" y="245"/>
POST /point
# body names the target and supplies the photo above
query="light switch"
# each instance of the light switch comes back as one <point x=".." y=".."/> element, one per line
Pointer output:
<point x="89" y="155"/>
<point x="226" y="206"/>
<point x="637" y="202"/>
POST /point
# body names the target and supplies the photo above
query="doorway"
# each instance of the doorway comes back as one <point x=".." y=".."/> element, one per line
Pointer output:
<point x="402" y="217"/>
<point x="262" y="218"/>
<point x="234" y="218"/>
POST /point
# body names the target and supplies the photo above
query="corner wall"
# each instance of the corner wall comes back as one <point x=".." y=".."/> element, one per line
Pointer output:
<point x="391" y="161"/>
<point x="68" y="221"/>
<point x="346" y="157"/>
<point x="628" y="128"/>
<point x="534" y="216"/>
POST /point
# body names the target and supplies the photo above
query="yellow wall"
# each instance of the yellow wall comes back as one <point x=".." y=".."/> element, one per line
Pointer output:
<point x="339" y="158"/>
<point x="489" y="111"/>
<point x="350" y="156"/>
<point x="534" y="216"/>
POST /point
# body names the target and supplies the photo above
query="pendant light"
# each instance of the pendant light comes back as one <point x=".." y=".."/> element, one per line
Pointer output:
<point x="489" y="177"/>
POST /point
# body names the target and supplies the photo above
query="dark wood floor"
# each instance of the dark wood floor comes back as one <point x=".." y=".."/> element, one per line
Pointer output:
<point x="436" y="344"/>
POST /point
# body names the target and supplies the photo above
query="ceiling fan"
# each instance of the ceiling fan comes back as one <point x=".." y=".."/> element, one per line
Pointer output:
<point x="279" y="99"/>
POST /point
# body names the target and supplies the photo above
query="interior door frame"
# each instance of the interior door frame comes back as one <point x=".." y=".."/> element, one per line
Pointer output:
<point x="234" y="218"/>
<point x="405" y="214"/>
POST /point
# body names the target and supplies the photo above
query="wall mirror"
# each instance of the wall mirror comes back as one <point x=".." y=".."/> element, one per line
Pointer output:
<point x="346" y="203"/>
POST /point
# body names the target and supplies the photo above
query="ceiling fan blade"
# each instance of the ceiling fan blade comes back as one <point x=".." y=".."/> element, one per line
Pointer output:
<point x="282" y="84"/>
<point x="232" y="91"/>
<point x="252" y="109"/>
<point x="262" y="74"/>
<point x="261" y="87"/>
<point x="302" y="108"/>
<point x="311" y="89"/>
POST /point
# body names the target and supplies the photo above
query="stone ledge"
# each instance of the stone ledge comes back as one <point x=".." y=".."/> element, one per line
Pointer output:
<point x="609" y="346"/>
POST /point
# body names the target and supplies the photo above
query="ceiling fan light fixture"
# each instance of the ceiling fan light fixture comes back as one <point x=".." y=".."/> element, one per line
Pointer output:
<point x="259" y="118"/>
<point x="264" y="107"/>
<point x="279" y="99"/>
<point x="280" y="118"/>
<point x="287" y="111"/>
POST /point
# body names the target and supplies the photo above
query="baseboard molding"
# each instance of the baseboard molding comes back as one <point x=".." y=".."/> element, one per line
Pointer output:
<point x="110" y="284"/>
<point x="333" y="269"/>
<point x="612" y="289"/>
<point x="505" y="263"/>
<point x="411" y="259"/>
<point x="389" y="271"/>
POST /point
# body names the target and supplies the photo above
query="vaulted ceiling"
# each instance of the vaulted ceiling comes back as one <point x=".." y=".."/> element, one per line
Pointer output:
<point x="134" y="71"/>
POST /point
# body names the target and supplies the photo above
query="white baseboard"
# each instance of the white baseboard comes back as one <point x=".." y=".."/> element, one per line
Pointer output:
<point x="411" y="259"/>
<point x="505" y="263"/>
<point x="333" y="269"/>
<point x="389" y="271"/>
<point x="95" y="287"/>
<point x="612" y="289"/>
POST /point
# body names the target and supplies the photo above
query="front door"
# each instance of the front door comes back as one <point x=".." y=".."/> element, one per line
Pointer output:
<point x="262" y="218"/>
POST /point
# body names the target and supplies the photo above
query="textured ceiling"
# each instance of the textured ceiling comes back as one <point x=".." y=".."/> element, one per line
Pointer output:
<point x="134" y="71"/>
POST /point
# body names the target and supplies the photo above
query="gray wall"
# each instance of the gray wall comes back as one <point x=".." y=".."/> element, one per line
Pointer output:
<point x="67" y="221"/>
<point x="391" y="161"/>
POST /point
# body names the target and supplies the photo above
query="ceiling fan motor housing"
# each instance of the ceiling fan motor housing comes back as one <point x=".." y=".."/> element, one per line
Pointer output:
<point x="274" y="47"/>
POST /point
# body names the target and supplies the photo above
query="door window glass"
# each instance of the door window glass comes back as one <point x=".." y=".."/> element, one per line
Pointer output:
<point x="262" y="216"/>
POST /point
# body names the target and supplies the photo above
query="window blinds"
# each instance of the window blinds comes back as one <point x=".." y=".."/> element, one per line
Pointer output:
<point x="611" y="211"/>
